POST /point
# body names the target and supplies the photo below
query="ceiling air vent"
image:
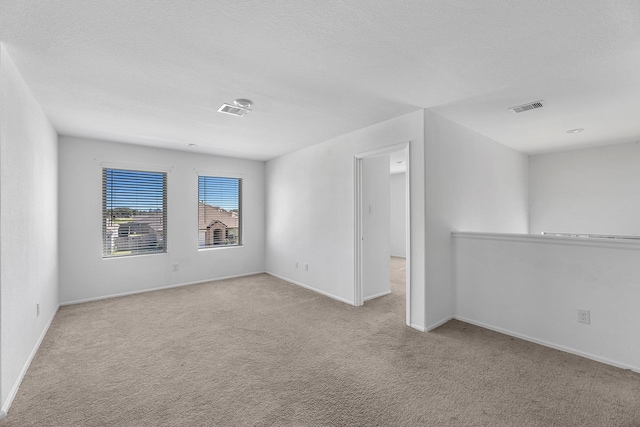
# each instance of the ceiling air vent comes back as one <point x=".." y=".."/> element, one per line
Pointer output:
<point x="241" y="107"/>
<point x="231" y="109"/>
<point x="527" y="107"/>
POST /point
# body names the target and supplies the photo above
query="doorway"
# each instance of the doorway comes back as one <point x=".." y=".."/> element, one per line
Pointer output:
<point x="372" y="235"/>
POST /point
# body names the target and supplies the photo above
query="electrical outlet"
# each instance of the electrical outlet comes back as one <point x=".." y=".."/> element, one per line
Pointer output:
<point x="176" y="267"/>
<point x="37" y="309"/>
<point x="306" y="266"/>
<point x="584" y="316"/>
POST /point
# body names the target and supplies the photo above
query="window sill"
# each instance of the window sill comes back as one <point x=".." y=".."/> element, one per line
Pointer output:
<point x="134" y="255"/>
<point x="217" y="248"/>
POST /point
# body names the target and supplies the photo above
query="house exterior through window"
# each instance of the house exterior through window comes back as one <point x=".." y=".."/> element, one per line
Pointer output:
<point x="219" y="211"/>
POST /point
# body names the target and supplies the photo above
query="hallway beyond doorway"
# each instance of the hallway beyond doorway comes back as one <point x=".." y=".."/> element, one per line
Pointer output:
<point x="398" y="275"/>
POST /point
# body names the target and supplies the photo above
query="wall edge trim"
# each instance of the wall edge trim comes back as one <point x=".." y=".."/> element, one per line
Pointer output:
<point x="14" y="390"/>
<point x="381" y="294"/>
<point x="159" y="288"/>
<point x="569" y="350"/>
<point x="438" y="324"/>
<point x="311" y="288"/>
<point x="418" y="327"/>
<point x="547" y="239"/>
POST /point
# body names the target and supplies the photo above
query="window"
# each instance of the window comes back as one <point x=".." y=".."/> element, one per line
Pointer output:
<point x="134" y="212"/>
<point x="219" y="211"/>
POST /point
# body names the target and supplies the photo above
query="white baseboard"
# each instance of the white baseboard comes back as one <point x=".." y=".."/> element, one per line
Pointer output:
<point x="438" y="324"/>
<point x="550" y="345"/>
<point x="418" y="327"/>
<point x="311" y="288"/>
<point x="142" y="291"/>
<point x="14" y="390"/>
<point x="381" y="294"/>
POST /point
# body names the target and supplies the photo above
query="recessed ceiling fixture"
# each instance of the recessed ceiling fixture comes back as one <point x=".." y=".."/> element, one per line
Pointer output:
<point x="577" y="130"/>
<point x="527" y="107"/>
<point x="239" y="109"/>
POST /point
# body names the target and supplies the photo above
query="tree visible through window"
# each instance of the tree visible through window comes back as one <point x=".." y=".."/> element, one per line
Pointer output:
<point x="219" y="211"/>
<point x="134" y="212"/>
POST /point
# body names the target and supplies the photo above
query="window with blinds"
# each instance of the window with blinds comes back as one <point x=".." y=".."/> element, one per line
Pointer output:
<point x="134" y="212"/>
<point x="219" y="211"/>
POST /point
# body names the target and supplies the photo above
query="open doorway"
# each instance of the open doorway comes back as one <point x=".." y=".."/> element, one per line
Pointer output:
<point x="398" y="222"/>
<point x="374" y="257"/>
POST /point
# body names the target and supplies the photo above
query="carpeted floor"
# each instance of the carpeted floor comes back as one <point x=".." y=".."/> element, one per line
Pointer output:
<point x="258" y="351"/>
<point x="398" y="275"/>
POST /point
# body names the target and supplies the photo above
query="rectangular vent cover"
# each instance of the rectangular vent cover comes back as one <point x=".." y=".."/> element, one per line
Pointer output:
<point x="527" y="107"/>
<point x="233" y="110"/>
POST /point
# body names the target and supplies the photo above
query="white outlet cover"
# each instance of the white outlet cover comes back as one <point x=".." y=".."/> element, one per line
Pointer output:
<point x="584" y="316"/>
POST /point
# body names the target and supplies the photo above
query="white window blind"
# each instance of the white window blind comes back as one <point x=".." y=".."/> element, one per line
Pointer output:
<point x="134" y="212"/>
<point x="219" y="211"/>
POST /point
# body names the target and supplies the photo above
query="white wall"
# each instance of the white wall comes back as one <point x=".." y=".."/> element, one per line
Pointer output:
<point x="84" y="274"/>
<point x="376" y="248"/>
<point x="310" y="210"/>
<point x="533" y="286"/>
<point x="28" y="226"/>
<point x="472" y="184"/>
<point x="594" y="190"/>
<point x="398" y="215"/>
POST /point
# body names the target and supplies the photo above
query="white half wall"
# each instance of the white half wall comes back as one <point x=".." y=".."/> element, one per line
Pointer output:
<point x="398" y="215"/>
<point x="310" y="210"/>
<point x="532" y="287"/>
<point x="474" y="184"/>
<point x="594" y="190"/>
<point x="85" y="275"/>
<point x="28" y="226"/>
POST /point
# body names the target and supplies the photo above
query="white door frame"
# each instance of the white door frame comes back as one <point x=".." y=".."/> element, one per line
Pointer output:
<point x="358" y="298"/>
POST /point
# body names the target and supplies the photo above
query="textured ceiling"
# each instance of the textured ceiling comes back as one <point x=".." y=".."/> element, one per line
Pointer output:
<point x="155" y="72"/>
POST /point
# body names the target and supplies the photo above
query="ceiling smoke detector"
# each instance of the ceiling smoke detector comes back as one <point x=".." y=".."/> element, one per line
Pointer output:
<point x="527" y="107"/>
<point x="244" y="103"/>
<point x="239" y="109"/>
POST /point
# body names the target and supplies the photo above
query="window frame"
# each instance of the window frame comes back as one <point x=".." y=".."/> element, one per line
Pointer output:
<point x="239" y="211"/>
<point x="108" y="206"/>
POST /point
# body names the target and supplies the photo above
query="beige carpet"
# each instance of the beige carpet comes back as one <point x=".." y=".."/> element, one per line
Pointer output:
<point x="259" y="351"/>
<point x="398" y="275"/>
